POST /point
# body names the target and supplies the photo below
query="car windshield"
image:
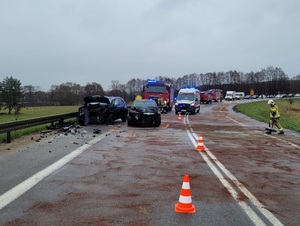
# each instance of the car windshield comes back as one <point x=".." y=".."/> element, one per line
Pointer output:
<point x="155" y="89"/>
<point x="186" y="96"/>
<point x="144" y="104"/>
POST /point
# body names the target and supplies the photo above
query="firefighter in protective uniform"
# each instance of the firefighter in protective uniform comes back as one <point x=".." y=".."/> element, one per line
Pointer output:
<point x="274" y="117"/>
<point x="160" y="100"/>
<point x="161" y="103"/>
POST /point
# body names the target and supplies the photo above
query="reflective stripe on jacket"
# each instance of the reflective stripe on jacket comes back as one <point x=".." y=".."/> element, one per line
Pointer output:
<point x="274" y="112"/>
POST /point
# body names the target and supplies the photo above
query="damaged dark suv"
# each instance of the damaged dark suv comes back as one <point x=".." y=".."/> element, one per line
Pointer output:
<point x="102" y="109"/>
<point x="144" y="113"/>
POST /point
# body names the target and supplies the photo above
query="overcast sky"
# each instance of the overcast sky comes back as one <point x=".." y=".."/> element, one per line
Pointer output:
<point x="50" y="42"/>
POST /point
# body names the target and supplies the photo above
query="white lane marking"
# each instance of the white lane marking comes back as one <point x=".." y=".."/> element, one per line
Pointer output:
<point x="247" y="209"/>
<point x="24" y="186"/>
<point x="246" y="192"/>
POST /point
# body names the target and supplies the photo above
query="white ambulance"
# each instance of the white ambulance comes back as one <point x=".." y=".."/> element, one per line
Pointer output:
<point x="188" y="100"/>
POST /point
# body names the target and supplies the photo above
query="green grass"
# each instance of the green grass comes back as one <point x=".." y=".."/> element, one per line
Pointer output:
<point x="32" y="112"/>
<point x="36" y="112"/>
<point x="289" y="111"/>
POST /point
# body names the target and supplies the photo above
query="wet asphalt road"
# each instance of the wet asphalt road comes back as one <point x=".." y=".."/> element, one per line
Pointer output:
<point x="133" y="176"/>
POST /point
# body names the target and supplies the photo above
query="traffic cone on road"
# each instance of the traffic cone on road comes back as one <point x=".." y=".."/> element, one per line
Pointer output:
<point x="200" y="145"/>
<point x="179" y="116"/>
<point x="184" y="204"/>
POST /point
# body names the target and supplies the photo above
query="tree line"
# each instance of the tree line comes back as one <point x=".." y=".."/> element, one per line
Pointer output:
<point x="269" y="81"/>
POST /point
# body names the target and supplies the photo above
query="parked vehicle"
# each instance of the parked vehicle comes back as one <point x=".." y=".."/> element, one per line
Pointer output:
<point x="248" y="97"/>
<point x="206" y="97"/>
<point x="239" y="95"/>
<point x="102" y="109"/>
<point x="153" y="89"/>
<point x="230" y="95"/>
<point x="262" y="96"/>
<point x="217" y="94"/>
<point x="117" y="109"/>
<point x="144" y="113"/>
<point x="188" y="100"/>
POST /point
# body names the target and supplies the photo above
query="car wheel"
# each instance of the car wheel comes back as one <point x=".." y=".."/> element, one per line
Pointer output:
<point x="157" y="123"/>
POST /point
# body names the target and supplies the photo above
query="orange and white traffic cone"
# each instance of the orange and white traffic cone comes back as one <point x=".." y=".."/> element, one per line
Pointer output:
<point x="200" y="145"/>
<point x="185" y="200"/>
<point x="179" y="116"/>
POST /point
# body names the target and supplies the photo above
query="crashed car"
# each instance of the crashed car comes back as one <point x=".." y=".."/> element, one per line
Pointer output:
<point x="102" y="109"/>
<point x="145" y="113"/>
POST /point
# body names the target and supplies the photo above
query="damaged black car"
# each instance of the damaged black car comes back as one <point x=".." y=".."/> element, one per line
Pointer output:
<point x="144" y="113"/>
<point x="102" y="109"/>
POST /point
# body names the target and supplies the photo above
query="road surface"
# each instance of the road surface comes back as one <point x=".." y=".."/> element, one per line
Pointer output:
<point x="134" y="175"/>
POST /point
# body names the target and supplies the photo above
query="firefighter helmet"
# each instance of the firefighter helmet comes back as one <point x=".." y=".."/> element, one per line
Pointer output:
<point x="271" y="102"/>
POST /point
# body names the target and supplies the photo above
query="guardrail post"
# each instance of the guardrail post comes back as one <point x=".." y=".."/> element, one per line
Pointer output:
<point x="8" y="137"/>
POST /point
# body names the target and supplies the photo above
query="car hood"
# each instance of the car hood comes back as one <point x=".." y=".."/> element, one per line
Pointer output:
<point x="96" y="98"/>
<point x="147" y="109"/>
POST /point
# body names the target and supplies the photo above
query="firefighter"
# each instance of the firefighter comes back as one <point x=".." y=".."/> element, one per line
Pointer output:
<point x="274" y="117"/>
<point x="161" y="103"/>
<point x="160" y="100"/>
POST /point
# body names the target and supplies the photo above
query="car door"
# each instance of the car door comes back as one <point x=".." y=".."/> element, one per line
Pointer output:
<point x="121" y="107"/>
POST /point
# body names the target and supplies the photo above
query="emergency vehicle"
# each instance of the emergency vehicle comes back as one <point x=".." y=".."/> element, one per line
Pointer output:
<point x="153" y="89"/>
<point x="206" y="97"/>
<point x="217" y="94"/>
<point x="188" y="100"/>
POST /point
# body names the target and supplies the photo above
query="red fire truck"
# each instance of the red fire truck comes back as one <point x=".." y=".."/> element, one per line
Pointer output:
<point x="217" y="94"/>
<point x="206" y="97"/>
<point x="153" y="89"/>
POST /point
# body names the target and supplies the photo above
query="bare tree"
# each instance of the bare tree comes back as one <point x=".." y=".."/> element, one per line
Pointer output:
<point x="66" y="94"/>
<point x="30" y="94"/>
<point x="93" y="89"/>
<point x="114" y="84"/>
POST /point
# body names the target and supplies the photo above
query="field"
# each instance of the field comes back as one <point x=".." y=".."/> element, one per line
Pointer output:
<point x="289" y="111"/>
<point x="32" y="112"/>
<point x="35" y="112"/>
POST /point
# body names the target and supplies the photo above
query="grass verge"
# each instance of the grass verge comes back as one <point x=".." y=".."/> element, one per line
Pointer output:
<point x="289" y="111"/>
<point x="32" y="112"/>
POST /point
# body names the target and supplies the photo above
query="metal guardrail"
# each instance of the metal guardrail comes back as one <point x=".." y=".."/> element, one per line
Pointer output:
<point x="22" y="124"/>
